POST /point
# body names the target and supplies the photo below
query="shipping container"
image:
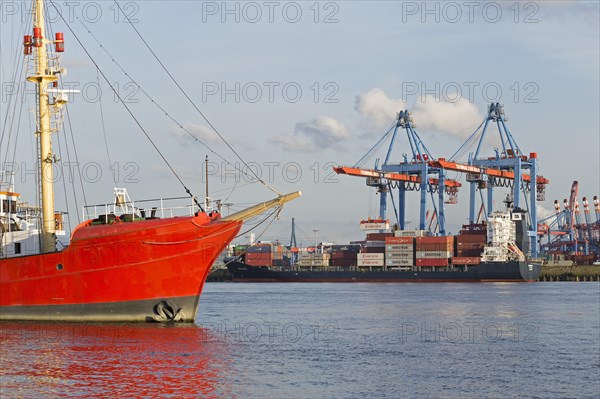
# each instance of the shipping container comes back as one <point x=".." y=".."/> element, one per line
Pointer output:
<point x="378" y="236"/>
<point x="369" y="262"/>
<point x="433" y="254"/>
<point x="375" y="243"/>
<point x="399" y="255"/>
<point x="373" y="250"/>
<point x="258" y="262"/>
<point x="410" y="233"/>
<point x="469" y="253"/>
<point x="464" y="260"/>
<point x="256" y="255"/>
<point x="399" y="262"/>
<point x="400" y="240"/>
<point x="432" y="262"/>
<point x="343" y="262"/>
<point x="435" y="247"/>
<point x="345" y="248"/>
<point x="401" y="247"/>
<point x="343" y="255"/>
<point x="364" y="256"/>
<point x="259" y="249"/>
<point x="435" y="240"/>
<point x="374" y="225"/>
<point x="471" y="238"/>
<point x="470" y="245"/>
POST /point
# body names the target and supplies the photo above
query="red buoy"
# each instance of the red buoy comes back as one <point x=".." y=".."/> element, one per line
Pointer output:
<point x="59" y="42"/>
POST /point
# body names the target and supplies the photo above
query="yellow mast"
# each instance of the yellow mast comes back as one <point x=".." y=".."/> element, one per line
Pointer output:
<point x="43" y="77"/>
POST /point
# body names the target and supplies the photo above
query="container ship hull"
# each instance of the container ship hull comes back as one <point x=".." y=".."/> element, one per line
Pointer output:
<point x="513" y="271"/>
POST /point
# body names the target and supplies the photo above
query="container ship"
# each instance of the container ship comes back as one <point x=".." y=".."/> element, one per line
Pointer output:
<point x="492" y="251"/>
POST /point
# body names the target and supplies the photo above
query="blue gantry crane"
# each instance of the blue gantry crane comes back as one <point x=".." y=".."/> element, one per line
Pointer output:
<point x="508" y="167"/>
<point x="412" y="173"/>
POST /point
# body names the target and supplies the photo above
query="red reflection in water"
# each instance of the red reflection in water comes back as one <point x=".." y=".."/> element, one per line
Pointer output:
<point x="118" y="360"/>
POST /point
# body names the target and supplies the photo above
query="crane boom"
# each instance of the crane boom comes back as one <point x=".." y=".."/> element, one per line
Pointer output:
<point x="347" y="170"/>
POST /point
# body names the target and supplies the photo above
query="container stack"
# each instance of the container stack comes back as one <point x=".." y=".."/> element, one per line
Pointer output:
<point x="434" y="251"/>
<point x="313" y="260"/>
<point x="344" y="255"/>
<point x="262" y="255"/>
<point x="371" y="260"/>
<point x="469" y="246"/>
<point x="399" y="252"/>
<point x="375" y="243"/>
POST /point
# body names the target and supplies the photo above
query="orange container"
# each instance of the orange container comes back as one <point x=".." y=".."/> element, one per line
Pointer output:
<point x="399" y="240"/>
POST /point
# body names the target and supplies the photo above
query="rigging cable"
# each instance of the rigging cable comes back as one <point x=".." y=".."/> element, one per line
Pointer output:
<point x="102" y="120"/>
<point x="19" y="71"/>
<point x="187" y="190"/>
<point x="375" y="147"/>
<point x="157" y="104"/>
<point x="194" y="104"/>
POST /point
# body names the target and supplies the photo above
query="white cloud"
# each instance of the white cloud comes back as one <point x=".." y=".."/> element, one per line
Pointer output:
<point x="378" y="107"/>
<point x="458" y="118"/>
<point x="320" y="133"/>
<point x="202" y="133"/>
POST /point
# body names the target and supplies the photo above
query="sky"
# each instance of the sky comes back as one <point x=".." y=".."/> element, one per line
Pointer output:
<point x="298" y="87"/>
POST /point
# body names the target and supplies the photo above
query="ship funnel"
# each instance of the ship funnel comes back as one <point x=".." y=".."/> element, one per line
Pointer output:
<point x="262" y="207"/>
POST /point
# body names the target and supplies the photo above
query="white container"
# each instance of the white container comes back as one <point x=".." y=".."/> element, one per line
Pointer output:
<point x="361" y="256"/>
<point x="399" y="255"/>
<point x="410" y="233"/>
<point x="369" y="262"/>
<point x="399" y="262"/>
<point x="433" y="254"/>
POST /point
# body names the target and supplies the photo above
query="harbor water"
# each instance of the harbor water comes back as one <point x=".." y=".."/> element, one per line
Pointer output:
<point x="278" y="340"/>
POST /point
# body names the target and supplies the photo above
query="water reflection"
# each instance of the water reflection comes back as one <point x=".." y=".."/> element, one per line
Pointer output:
<point x="119" y="360"/>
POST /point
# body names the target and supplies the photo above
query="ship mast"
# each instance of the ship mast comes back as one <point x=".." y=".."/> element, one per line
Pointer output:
<point x="43" y="77"/>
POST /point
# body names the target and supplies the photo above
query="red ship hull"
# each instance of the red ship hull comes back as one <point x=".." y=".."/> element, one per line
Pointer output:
<point x="139" y="271"/>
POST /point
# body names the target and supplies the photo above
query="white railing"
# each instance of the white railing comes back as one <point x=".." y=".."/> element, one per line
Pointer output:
<point x="144" y="209"/>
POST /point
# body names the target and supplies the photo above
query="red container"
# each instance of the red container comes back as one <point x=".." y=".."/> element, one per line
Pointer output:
<point x="343" y="262"/>
<point x="435" y="240"/>
<point x="466" y="260"/>
<point x="469" y="253"/>
<point x="399" y="240"/>
<point x="435" y="247"/>
<point x="471" y="238"/>
<point x="373" y="250"/>
<point x="258" y="256"/>
<point x="265" y="262"/>
<point x="343" y="255"/>
<point x="470" y="245"/>
<point x="432" y="262"/>
<point x="378" y="236"/>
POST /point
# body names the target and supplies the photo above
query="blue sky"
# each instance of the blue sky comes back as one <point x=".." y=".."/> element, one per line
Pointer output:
<point x="302" y="91"/>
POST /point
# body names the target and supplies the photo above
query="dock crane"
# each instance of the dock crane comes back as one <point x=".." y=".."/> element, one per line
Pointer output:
<point x="410" y="175"/>
<point x="566" y="233"/>
<point x="505" y="169"/>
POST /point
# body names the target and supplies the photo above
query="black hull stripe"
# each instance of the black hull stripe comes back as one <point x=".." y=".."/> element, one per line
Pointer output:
<point x="130" y="311"/>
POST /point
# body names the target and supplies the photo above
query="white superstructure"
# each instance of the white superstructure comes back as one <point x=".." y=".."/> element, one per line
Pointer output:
<point x="501" y="236"/>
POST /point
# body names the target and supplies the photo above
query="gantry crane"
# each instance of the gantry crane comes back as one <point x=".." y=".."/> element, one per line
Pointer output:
<point x="565" y="231"/>
<point x="410" y="175"/>
<point x="505" y="169"/>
